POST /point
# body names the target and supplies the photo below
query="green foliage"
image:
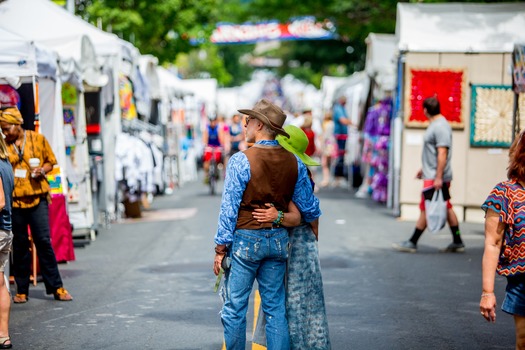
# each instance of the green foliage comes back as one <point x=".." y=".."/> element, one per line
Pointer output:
<point x="161" y="28"/>
<point x="164" y="28"/>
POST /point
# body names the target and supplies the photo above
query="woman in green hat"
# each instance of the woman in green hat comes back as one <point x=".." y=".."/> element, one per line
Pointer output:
<point x="308" y="326"/>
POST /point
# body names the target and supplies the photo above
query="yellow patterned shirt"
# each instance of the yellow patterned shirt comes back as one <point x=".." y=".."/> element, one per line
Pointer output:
<point x="28" y="190"/>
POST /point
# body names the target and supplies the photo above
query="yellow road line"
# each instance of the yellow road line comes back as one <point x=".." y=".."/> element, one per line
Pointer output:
<point x="256" y="304"/>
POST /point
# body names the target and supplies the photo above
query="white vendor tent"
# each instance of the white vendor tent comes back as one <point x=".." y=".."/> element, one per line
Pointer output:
<point x="328" y="87"/>
<point x="380" y="62"/>
<point x="21" y="61"/>
<point x="52" y="26"/>
<point x="473" y="42"/>
<point x="17" y="56"/>
<point x="460" y="27"/>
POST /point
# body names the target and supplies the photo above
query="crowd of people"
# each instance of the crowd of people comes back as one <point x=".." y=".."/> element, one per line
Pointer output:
<point x="278" y="211"/>
<point x="269" y="220"/>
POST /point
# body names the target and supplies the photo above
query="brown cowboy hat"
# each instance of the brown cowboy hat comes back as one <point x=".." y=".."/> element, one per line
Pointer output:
<point x="269" y="114"/>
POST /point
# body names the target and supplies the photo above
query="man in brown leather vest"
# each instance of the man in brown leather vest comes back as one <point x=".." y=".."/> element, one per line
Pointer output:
<point x="265" y="173"/>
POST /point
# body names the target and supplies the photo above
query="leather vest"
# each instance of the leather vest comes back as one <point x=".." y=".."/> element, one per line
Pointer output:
<point x="273" y="175"/>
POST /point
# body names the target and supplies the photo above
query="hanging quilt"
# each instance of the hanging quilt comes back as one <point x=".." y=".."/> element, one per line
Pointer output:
<point x="446" y="84"/>
<point x="491" y="115"/>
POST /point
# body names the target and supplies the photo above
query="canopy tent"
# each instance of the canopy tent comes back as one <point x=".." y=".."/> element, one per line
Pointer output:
<point x="68" y="35"/>
<point x="473" y="42"/>
<point x="205" y="90"/>
<point x="328" y="86"/>
<point x="146" y="84"/>
<point x="380" y="62"/>
<point x="459" y="27"/>
<point x="170" y="85"/>
<point x="17" y="56"/>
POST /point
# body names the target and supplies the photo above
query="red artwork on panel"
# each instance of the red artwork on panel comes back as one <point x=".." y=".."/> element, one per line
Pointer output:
<point x="446" y="85"/>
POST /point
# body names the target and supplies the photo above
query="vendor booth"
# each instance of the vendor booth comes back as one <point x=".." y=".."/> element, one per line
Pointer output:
<point x="23" y="69"/>
<point x="180" y="155"/>
<point x="375" y="135"/>
<point x="101" y="57"/>
<point x="355" y="88"/>
<point x="460" y="53"/>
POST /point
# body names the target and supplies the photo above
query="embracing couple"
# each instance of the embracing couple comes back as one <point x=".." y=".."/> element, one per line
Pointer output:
<point x="266" y="189"/>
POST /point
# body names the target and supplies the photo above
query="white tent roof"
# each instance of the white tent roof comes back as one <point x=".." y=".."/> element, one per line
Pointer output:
<point x="380" y="59"/>
<point x="328" y="86"/>
<point x="204" y="90"/>
<point x="170" y="85"/>
<point x="72" y="38"/>
<point x="460" y="27"/>
<point x="148" y="67"/>
<point x="47" y="23"/>
<point x="17" y="56"/>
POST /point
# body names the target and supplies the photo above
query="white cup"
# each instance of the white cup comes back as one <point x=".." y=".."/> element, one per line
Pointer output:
<point x="33" y="164"/>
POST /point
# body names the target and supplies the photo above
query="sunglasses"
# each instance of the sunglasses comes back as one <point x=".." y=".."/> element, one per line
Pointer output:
<point x="248" y="119"/>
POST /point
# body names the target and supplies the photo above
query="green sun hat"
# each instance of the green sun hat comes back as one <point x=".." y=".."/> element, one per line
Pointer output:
<point x="296" y="143"/>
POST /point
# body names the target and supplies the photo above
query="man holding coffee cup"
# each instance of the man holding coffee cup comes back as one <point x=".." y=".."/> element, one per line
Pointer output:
<point x="31" y="157"/>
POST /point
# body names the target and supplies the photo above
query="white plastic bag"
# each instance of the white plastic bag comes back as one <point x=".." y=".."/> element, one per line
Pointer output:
<point x="436" y="212"/>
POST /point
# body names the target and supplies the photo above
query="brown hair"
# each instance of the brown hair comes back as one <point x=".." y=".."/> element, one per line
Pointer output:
<point x="516" y="169"/>
<point x="431" y="104"/>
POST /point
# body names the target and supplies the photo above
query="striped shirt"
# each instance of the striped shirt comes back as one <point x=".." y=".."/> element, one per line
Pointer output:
<point x="508" y="200"/>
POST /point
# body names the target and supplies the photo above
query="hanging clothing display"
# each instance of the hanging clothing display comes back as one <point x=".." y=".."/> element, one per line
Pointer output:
<point x="376" y="140"/>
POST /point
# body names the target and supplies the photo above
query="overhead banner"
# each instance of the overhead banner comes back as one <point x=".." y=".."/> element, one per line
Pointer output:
<point x="304" y="28"/>
<point x="518" y="68"/>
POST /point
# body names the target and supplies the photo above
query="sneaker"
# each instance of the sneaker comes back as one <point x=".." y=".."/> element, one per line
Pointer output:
<point x="20" y="298"/>
<point x="405" y="246"/>
<point x="61" y="294"/>
<point x="454" y="248"/>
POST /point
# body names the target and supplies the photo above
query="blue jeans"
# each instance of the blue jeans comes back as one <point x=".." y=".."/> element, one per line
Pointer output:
<point x="256" y="254"/>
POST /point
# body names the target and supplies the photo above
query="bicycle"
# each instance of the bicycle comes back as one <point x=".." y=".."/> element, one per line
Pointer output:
<point x="213" y="169"/>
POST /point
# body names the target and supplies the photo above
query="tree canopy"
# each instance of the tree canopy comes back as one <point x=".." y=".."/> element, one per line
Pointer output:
<point x="164" y="29"/>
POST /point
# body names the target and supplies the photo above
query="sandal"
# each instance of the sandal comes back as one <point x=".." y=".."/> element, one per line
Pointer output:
<point x="20" y="299"/>
<point x="3" y="341"/>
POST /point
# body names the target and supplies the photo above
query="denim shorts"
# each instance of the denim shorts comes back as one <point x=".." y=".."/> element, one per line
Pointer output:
<point x="6" y="240"/>
<point x="514" y="302"/>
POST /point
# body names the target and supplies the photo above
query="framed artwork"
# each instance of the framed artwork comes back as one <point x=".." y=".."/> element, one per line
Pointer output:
<point x="448" y="85"/>
<point x="491" y="115"/>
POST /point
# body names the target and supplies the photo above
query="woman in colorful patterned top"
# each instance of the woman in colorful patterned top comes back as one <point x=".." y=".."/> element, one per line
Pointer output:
<point x="505" y="243"/>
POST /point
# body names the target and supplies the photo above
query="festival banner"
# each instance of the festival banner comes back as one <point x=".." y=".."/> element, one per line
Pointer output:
<point x="304" y="28"/>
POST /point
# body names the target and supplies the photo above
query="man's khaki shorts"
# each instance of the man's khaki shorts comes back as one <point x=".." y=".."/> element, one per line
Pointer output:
<point x="6" y="241"/>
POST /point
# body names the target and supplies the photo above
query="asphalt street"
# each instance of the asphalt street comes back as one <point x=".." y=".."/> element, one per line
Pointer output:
<point x="148" y="284"/>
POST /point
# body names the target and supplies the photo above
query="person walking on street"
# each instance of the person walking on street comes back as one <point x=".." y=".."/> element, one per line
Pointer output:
<point x="341" y="122"/>
<point x="436" y="173"/>
<point x="264" y="173"/>
<point x="6" y="240"/>
<point x="30" y="205"/>
<point x="504" y="242"/>
<point x="328" y="148"/>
